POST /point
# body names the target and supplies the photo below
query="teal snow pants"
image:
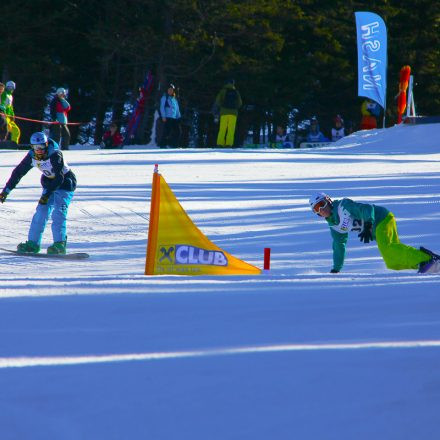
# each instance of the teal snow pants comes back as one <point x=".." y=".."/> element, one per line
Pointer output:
<point x="56" y="207"/>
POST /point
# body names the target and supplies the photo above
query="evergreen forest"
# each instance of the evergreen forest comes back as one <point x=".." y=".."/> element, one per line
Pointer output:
<point x="283" y="55"/>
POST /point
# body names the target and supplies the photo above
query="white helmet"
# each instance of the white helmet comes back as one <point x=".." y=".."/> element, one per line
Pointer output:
<point x="10" y="85"/>
<point x="318" y="197"/>
<point x="61" y="91"/>
<point x="39" y="138"/>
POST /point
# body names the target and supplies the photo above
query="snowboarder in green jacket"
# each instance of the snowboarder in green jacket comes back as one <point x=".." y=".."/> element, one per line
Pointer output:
<point x="371" y="222"/>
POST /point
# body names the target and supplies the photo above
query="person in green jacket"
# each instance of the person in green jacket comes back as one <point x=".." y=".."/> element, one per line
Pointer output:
<point x="7" y="104"/>
<point x="228" y="101"/>
<point x="371" y="222"/>
<point x="3" y="124"/>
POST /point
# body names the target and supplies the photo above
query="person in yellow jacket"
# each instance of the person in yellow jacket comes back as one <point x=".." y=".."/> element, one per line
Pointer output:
<point x="3" y="125"/>
<point x="7" y="104"/>
<point x="370" y="110"/>
<point x="229" y="102"/>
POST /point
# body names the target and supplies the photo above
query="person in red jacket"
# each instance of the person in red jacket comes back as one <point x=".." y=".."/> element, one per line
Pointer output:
<point x="59" y="108"/>
<point x="112" y="138"/>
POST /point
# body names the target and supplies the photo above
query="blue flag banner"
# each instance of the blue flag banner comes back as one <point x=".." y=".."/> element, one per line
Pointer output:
<point x="372" y="57"/>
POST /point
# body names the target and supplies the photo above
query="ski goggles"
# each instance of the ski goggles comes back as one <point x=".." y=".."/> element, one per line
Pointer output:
<point x="320" y="205"/>
<point x="39" y="147"/>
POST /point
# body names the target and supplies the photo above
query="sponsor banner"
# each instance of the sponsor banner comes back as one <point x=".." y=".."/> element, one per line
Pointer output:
<point x="176" y="246"/>
<point x="372" y="56"/>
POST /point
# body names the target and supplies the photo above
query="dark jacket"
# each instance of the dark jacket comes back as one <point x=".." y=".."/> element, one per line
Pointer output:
<point x="56" y="174"/>
<point x="220" y="101"/>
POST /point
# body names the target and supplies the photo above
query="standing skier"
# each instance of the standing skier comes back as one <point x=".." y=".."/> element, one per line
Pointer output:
<point x="58" y="182"/>
<point x="7" y="104"/>
<point x="3" y="123"/>
<point x="170" y="113"/>
<point x="372" y="222"/>
<point x="229" y="102"/>
<point x="59" y="107"/>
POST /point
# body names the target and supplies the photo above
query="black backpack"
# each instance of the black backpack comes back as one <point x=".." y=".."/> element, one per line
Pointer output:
<point x="230" y="99"/>
<point x="167" y="104"/>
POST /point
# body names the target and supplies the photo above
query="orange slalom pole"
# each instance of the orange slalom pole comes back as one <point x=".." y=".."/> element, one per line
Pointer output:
<point x="154" y="223"/>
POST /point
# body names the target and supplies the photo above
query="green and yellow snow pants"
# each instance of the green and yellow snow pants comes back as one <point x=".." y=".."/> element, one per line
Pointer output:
<point x="13" y="129"/>
<point x="397" y="256"/>
<point x="226" y="130"/>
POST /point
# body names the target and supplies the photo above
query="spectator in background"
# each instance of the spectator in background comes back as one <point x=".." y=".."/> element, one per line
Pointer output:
<point x="112" y="138"/>
<point x="59" y="107"/>
<point x="229" y="102"/>
<point x="338" y="130"/>
<point x="280" y="138"/>
<point x="3" y="124"/>
<point x="314" y="134"/>
<point x="170" y="114"/>
<point x="370" y="110"/>
<point x="7" y="101"/>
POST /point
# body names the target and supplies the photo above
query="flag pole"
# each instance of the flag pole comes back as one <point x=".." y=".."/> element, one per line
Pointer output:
<point x="154" y="223"/>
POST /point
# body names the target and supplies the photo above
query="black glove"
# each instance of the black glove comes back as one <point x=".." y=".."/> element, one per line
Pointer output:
<point x="3" y="196"/>
<point x="334" y="271"/>
<point x="43" y="200"/>
<point x="366" y="234"/>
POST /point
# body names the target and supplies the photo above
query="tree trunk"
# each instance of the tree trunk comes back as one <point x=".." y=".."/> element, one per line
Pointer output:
<point x="101" y="101"/>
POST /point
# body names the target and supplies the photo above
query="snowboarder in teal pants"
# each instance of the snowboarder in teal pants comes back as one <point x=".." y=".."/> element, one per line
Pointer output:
<point x="58" y="182"/>
<point x="371" y="222"/>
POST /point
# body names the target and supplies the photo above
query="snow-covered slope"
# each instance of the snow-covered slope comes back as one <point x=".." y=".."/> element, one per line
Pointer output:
<point x="400" y="139"/>
<point x="97" y="350"/>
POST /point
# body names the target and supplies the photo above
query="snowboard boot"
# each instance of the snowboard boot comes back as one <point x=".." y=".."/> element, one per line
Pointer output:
<point x="427" y="251"/>
<point x="28" y="247"/>
<point x="59" y="247"/>
<point x="432" y="265"/>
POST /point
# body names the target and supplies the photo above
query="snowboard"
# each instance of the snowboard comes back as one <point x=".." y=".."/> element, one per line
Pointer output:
<point x="71" y="256"/>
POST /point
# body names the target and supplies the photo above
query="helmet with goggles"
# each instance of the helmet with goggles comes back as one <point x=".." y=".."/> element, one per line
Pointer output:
<point x="39" y="138"/>
<point x="10" y="85"/>
<point x="319" y="201"/>
<point x="39" y="144"/>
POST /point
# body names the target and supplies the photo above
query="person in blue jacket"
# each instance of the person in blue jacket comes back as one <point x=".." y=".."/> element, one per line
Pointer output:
<point x="58" y="182"/>
<point x="170" y="114"/>
<point x="314" y="134"/>
<point x="371" y="222"/>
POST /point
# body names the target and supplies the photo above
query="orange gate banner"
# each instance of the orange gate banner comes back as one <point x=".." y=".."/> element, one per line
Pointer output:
<point x="177" y="247"/>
